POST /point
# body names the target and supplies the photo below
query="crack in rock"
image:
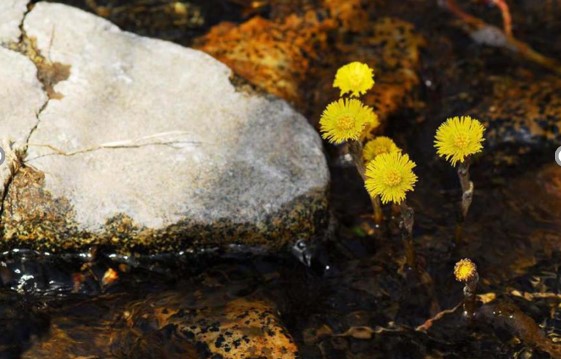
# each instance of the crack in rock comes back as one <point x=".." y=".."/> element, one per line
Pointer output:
<point x="124" y="144"/>
<point x="48" y="73"/>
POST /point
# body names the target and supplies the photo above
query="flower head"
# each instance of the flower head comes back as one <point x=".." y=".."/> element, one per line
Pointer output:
<point x="345" y="119"/>
<point x="390" y="176"/>
<point x="355" y="77"/>
<point x="459" y="137"/>
<point x="465" y="270"/>
<point x="378" y="146"/>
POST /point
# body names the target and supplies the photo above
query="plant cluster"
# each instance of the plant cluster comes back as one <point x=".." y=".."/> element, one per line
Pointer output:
<point x="387" y="171"/>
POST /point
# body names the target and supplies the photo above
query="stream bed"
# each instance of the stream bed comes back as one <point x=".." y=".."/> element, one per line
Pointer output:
<point x="353" y="298"/>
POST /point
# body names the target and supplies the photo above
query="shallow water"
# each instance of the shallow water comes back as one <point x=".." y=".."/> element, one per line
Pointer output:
<point x="355" y="300"/>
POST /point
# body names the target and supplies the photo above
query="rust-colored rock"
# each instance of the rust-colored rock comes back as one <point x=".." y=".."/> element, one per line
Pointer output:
<point x="392" y="47"/>
<point x="523" y="112"/>
<point x="351" y="14"/>
<point x="242" y="328"/>
<point x="296" y="58"/>
<point x="272" y="55"/>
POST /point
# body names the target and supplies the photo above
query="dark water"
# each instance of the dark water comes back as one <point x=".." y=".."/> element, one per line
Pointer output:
<point x="356" y="300"/>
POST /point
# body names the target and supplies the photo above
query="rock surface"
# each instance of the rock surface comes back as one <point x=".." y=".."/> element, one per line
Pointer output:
<point x="11" y="14"/>
<point x="21" y="98"/>
<point x="147" y="146"/>
<point x="203" y="317"/>
<point x="296" y="57"/>
<point x="241" y="328"/>
<point x="523" y="112"/>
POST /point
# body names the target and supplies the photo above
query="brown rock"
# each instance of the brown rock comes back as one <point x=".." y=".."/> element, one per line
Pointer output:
<point x="296" y="58"/>
<point x="274" y="56"/>
<point x="522" y="112"/>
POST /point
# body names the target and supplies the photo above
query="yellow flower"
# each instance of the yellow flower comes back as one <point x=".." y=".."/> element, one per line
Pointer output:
<point x="465" y="270"/>
<point x="459" y="137"/>
<point x="390" y="176"/>
<point x="345" y="119"/>
<point x="356" y="78"/>
<point x="378" y="146"/>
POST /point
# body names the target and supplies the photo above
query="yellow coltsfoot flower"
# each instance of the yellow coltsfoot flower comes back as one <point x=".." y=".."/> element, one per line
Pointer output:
<point x="390" y="176"/>
<point x="465" y="270"/>
<point x="378" y="146"/>
<point x="345" y="119"/>
<point x="355" y="77"/>
<point x="458" y="138"/>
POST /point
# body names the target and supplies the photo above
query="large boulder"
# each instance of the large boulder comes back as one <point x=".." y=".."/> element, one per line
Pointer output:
<point x="146" y="146"/>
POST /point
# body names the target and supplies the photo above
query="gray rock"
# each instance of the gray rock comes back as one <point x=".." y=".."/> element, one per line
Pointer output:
<point x="147" y="146"/>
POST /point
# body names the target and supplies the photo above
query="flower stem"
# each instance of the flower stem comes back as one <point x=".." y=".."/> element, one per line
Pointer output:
<point x="467" y="197"/>
<point x="406" y="225"/>
<point x="377" y="205"/>
<point x="355" y="150"/>
<point x="470" y="297"/>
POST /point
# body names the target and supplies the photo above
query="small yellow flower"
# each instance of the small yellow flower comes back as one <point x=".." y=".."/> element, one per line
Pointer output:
<point x="459" y="137"/>
<point x="465" y="270"/>
<point x="345" y="119"/>
<point x="356" y="78"/>
<point x="390" y="176"/>
<point x="378" y="146"/>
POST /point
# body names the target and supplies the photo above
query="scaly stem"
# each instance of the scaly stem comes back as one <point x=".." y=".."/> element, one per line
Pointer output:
<point x="467" y="197"/>
<point x="378" y="214"/>
<point x="406" y="225"/>
<point x="470" y="297"/>
<point x="355" y="150"/>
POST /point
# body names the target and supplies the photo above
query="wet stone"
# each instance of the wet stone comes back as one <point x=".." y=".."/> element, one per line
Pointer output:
<point x="239" y="328"/>
<point x="146" y="146"/>
<point x="198" y="318"/>
<point x="523" y="112"/>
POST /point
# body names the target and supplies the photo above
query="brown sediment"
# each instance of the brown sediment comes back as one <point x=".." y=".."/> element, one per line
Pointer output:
<point x="49" y="73"/>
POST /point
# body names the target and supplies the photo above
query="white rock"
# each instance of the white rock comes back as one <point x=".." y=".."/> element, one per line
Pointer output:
<point x="11" y="15"/>
<point x="157" y="133"/>
<point x="21" y="98"/>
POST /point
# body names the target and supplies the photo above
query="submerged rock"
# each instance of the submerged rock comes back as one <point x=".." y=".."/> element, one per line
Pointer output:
<point x="523" y="113"/>
<point x="241" y="328"/>
<point x="215" y="314"/>
<point x="144" y="145"/>
<point x="167" y="325"/>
